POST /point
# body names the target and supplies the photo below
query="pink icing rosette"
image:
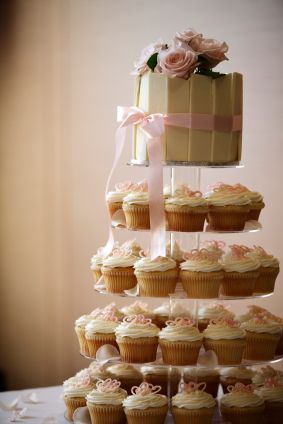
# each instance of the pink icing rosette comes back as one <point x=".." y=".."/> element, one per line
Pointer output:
<point x="145" y="389"/>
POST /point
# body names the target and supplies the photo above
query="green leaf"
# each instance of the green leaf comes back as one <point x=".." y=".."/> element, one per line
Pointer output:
<point x="209" y="72"/>
<point x="152" y="61"/>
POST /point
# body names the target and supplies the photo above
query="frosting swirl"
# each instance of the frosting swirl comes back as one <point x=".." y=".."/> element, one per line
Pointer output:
<point x="214" y="311"/>
<point x="193" y="396"/>
<point x="105" y="324"/>
<point x="175" y="310"/>
<point x="135" y="327"/>
<point x="239" y="259"/>
<point x="145" y="396"/>
<point x="224" y="328"/>
<point x="160" y="263"/>
<point x="261" y="324"/>
<point x="241" y="396"/>
<point x="78" y="386"/>
<point x="184" y="196"/>
<point x="265" y="373"/>
<point x="181" y="329"/>
<point x="107" y="392"/>
<point x="200" y="261"/>
<point x="225" y="195"/>
<point x="266" y="260"/>
<point x="120" y="257"/>
<point x="137" y="308"/>
<point x="125" y="370"/>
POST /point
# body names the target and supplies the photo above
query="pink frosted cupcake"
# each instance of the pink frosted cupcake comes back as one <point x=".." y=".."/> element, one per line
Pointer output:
<point x="262" y="337"/>
<point x="265" y="373"/>
<point x="228" y="208"/>
<point x="138" y="308"/>
<point x="241" y="270"/>
<point x="209" y="312"/>
<point x="185" y="210"/>
<point x="118" y="270"/>
<point x="146" y="405"/>
<point x="201" y="274"/>
<point x="272" y="394"/>
<point x="241" y="405"/>
<point x="256" y="199"/>
<point x="96" y="264"/>
<point x="101" y="331"/>
<point x="137" y="338"/>
<point x="180" y="342"/>
<point x="156" y="277"/>
<point x="193" y="404"/>
<point x="268" y="271"/>
<point x="226" y="338"/>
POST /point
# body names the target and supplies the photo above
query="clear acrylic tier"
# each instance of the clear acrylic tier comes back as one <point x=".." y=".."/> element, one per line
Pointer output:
<point x="172" y="164"/>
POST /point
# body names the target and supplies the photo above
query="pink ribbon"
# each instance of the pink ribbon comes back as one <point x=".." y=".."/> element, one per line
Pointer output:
<point x="154" y="126"/>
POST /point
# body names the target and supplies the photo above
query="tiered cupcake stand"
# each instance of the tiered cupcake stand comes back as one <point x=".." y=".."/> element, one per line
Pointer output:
<point x="251" y="226"/>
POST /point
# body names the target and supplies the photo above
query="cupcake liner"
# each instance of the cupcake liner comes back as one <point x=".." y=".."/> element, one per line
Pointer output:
<point x="99" y="340"/>
<point x="96" y="272"/>
<point x="228" y="381"/>
<point x="185" y="218"/>
<point x="72" y="403"/>
<point x="211" y="381"/>
<point x="165" y="380"/>
<point x="180" y="353"/>
<point x="82" y="341"/>
<point x="146" y="416"/>
<point x="254" y="212"/>
<point x="279" y="347"/>
<point x="245" y="415"/>
<point x="260" y="346"/>
<point x="113" y="207"/>
<point x="193" y="416"/>
<point x="138" y="350"/>
<point x="228" y="352"/>
<point x="157" y="283"/>
<point x="227" y="218"/>
<point x="137" y="216"/>
<point x="266" y="280"/>
<point x="273" y="412"/>
<point x="119" y="279"/>
<point x="106" y="414"/>
<point x="238" y="283"/>
<point x="201" y="285"/>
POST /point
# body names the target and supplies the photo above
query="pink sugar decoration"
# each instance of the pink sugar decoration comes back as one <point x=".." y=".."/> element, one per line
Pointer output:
<point x="241" y="388"/>
<point x="192" y="386"/>
<point x="200" y="255"/>
<point x="145" y="389"/>
<point x="109" y="316"/>
<point x="226" y="320"/>
<point x="84" y="381"/>
<point x="124" y="186"/>
<point x="180" y="322"/>
<point x="187" y="191"/>
<point x="108" y="385"/>
<point x="144" y="253"/>
<point x="138" y="319"/>
<point x="121" y="252"/>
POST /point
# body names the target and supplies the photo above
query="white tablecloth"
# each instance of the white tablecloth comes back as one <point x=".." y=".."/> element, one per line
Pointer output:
<point x="48" y="408"/>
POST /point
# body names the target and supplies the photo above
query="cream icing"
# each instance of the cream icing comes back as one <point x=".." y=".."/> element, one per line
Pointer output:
<point x="193" y="400"/>
<point x="175" y="310"/>
<point x="271" y="394"/>
<point x="214" y="247"/>
<point x="261" y="324"/>
<point x="214" y="311"/>
<point x="223" y="198"/>
<point x="177" y="253"/>
<point x="181" y="329"/>
<point x="224" y="328"/>
<point x="133" y="246"/>
<point x="138" y="308"/>
<point x="158" y="264"/>
<point x="83" y="321"/>
<point x="107" y="392"/>
<point x="145" y="396"/>
<point x="136" y="198"/>
<point x="237" y="372"/>
<point x="105" y="324"/>
<point x="78" y="386"/>
<point x="120" y="258"/>
<point x="265" y="373"/>
<point x="124" y="370"/>
<point x="239" y="259"/>
<point x="97" y="371"/>
<point x="136" y="326"/>
<point x="186" y="201"/>
<point x="266" y="260"/>
<point x="241" y="396"/>
<point x="121" y="190"/>
<point x="200" y="261"/>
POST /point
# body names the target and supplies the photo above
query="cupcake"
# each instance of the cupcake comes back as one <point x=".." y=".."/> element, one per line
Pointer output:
<point x="138" y="308"/>
<point x="272" y="394"/>
<point x="186" y="210"/>
<point x="225" y="337"/>
<point x="257" y="203"/>
<point x="228" y="208"/>
<point x="214" y="247"/>
<point x="137" y="338"/>
<point x="201" y="274"/>
<point x="253" y="311"/>
<point x="136" y="207"/>
<point x="180" y="342"/>
<point x="146" y="405"/>
<point x="262" y="337"/>
<point x="241" y="405"/>
<point x="167" y="378"/>
<point x="203" y="374"/>
<point x="241" y="270"/>
<point x="96" y="264"/>
<point x="265" y="373"/>
<point x="101" y="331"/>
<point x="268" y="271"/>
<point x="156" y="277"/>
<point x="113" y="309"/>
<point x="98" y="372"/>
<point x="168" y="311"/>
<point x="80" y="325"/>
<point x="128" y="375"/>
<point x="212" y="311"/>
<point x="233" y="375"/>
<point x="114" y="199"/>
<point x="75" y="389"/>
<point x="193" y="405"/>
<point x="105" y="403"/>
<point x="133" y="246"/>
<point x="118" y="271"/>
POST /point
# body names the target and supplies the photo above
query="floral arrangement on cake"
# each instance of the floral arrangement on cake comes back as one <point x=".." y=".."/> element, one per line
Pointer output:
<point x="189" y="53"/>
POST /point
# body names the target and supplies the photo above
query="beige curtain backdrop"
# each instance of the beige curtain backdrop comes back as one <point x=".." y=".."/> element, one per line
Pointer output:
<point x="65" y="66"/>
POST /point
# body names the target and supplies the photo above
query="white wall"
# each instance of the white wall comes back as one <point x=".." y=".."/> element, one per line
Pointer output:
<point x="63" y="72"/>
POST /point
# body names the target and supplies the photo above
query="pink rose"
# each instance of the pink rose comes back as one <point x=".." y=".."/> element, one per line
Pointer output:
<point x="185" y="38"/>
<point x="141" y="65"/>
<point x="213" y="50"/>
<point x="177" y="62"/>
